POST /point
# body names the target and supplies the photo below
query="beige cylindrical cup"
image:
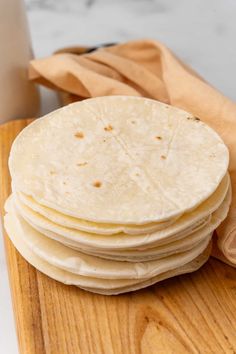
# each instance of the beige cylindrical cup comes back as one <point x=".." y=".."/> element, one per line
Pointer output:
<point x="19" y="98"/>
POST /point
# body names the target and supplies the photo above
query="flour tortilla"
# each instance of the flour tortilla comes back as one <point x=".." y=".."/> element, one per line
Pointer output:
<point x="80" y="238"/>
<point x="189" y="242"/>
<point x="204" y="209"/>
<point x="89" y="226"/>
<point x="118" y="159"/>
<point x="180" y="245"/>
<point x="105" y="251"/>
<point x="76" y="262"/>
<point x="93" y="284"/>
<point x="99" y="243"/>
<point x="187" y="268"/>
<point x="158" y="252"/>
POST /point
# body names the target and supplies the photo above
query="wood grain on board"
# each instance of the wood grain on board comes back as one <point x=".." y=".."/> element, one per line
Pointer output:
<point x="194" y="313"/>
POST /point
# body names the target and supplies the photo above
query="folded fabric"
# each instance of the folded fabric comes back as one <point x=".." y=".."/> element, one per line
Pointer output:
<point x="147" y="68"/>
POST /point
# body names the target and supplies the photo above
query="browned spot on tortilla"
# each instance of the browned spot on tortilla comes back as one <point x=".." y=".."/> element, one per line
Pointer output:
<point x="133" y="121"/>
<point x="64" y="182"/>
<point x="82" y="164"/>
<point x="196" y="119"/>
<point x="97" y="184"/>
<point x="52" y="172"/>
<point x="158" y="137"/>
<point x="163" y="157"/>
<point x="79" y="135"/>
<point x="108" y="128"/>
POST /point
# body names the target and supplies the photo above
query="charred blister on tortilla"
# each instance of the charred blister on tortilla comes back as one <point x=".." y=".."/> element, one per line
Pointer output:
<point x="97" y="184"/>
<point x="196" y="119"/>
<point x="79" y="135"/>
<point x="108" y="128"/>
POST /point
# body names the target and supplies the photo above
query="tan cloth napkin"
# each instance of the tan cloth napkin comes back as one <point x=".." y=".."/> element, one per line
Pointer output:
<point x="147" y="68"/>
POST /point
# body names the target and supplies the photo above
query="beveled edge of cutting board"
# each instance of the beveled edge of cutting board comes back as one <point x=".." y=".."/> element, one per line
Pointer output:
<point x="17" y="120"/>
<point x="22" y="276"/>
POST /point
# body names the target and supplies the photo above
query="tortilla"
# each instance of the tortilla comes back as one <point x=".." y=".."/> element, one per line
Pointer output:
<point x="119" y="160"/>
<point x="154" y="253"/>
<point x="90" y="266"/>
<point x="187" y="268"/>
<point x="174" y="246"/>
<point x="122" y="242"/>
<point x="89" y="226"/>
<point x="107" y="287"/>
<point x="210" y="205"/>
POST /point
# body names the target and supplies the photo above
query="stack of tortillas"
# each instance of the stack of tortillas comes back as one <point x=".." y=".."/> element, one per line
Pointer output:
<point x="115" y="193"/>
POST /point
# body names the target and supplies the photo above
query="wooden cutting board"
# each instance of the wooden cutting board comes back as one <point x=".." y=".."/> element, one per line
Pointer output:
<point x="193" y="313"/>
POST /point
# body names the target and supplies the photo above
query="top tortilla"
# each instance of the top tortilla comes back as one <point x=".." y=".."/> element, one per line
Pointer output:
<point x="119" y="159"/>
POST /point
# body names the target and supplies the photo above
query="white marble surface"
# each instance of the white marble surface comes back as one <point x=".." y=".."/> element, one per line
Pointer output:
<point x="201" y="32"/>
